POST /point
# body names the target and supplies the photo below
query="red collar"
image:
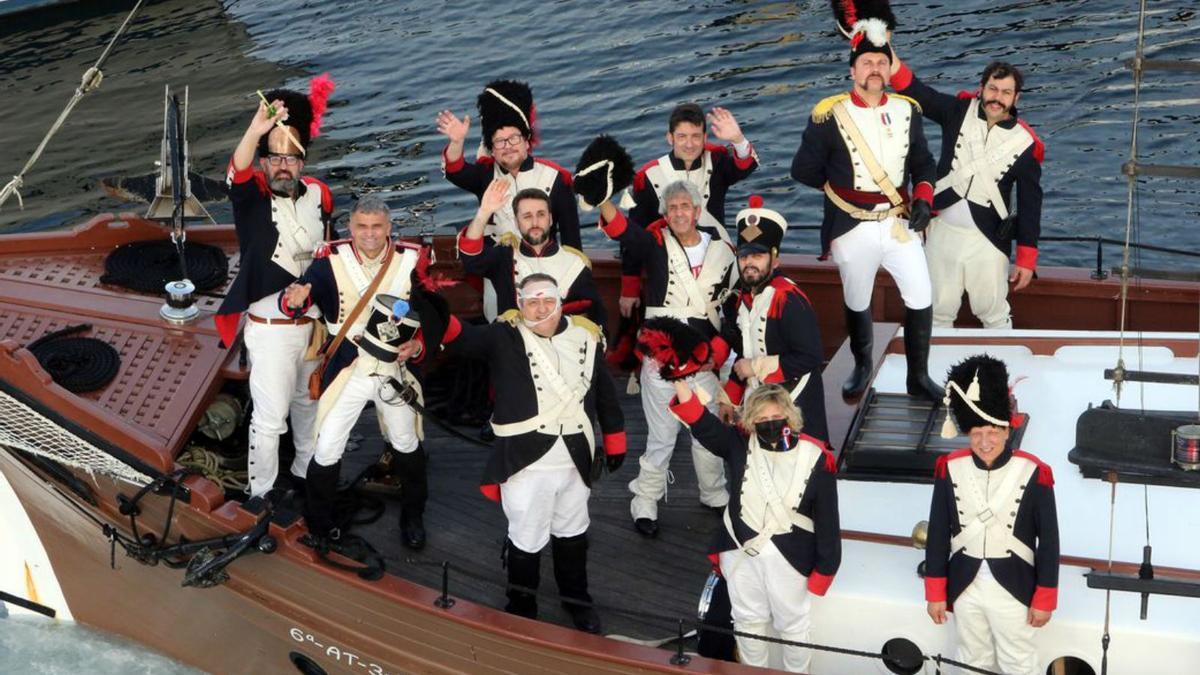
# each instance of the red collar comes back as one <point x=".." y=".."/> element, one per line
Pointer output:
<point x="358" y="256"/>
<point x="858" y="100"/>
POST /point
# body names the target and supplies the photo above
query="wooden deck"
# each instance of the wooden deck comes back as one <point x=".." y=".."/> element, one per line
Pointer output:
<point x="662" y="576"/>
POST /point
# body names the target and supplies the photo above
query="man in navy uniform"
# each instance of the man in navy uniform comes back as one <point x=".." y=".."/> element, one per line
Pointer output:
<point x="992" y="550"/>
<point x="508" y="259"/>
<point x="281" y="217"/>
<point x="552" y="387"/>
<point x="987" y="150"/>
<point x="771" y="324"/>
<point x="689" y="270"/>
<point x="508" y="117"/>
<point x="370" y="364"/>
<point x="861" y="149"/>
<point x="710" y="167"/>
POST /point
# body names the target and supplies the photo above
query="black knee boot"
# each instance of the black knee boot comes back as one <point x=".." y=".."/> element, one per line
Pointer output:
<point x="525" y="570"/>
<point x="570" y="572"/>
<point x="859" y="326"/>
<point x="918" y="328"/>
<point x="321" y="488"/>
<point x="412" y="468"/>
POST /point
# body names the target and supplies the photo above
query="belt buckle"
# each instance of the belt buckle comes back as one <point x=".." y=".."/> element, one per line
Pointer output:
<point x="751" y="551"/>
<point x="986" y="515"/>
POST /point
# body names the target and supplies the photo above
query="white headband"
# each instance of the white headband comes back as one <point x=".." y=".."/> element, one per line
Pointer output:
<point x="949" y="430"/>
<point x="512" y="105"/>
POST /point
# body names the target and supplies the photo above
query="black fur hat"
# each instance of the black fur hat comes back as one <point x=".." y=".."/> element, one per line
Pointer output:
<point x="299" y="121"/>
<point x="679" y="348"/>
<point x="977" y="384"/>
<point x="506" y="103"/>
<point x="604" y="169"/>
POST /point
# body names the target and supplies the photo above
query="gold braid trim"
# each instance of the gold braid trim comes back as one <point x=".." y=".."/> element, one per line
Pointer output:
<point x="824" y="109"/>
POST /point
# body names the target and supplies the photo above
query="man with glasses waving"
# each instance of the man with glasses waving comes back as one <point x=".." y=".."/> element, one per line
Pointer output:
<point x="509" y="134"/>
<point x="280" y="217"/>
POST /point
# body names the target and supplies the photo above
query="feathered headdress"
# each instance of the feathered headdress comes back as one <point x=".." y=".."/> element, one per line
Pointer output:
<point x="304" y="112"/>
<point x="867" y="23"/>
<point x="678" y="348"/>
<point x="604" y="169"/>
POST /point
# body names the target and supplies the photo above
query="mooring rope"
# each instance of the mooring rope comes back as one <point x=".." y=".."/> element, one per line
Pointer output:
<point x="89" y="82"/>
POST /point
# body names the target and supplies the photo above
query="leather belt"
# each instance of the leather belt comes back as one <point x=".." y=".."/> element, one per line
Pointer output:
<point x="281" y="322"/>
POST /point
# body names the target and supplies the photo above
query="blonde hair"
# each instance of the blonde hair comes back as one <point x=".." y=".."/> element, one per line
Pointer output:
<point x="771" y="393"/>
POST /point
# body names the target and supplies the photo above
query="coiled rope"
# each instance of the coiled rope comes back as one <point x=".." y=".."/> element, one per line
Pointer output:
<point x="77" y="364"/>
<point x="147" y="266"/>
<point x="89" y="82"/>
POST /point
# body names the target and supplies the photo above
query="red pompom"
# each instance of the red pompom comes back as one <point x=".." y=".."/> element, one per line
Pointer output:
<point x="756" y="202"/>
<point x="320" y="88"/>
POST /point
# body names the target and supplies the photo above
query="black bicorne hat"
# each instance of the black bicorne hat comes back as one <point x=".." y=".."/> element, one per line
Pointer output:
<point x="977" y="395"/>
<point x="760" y="230"/>
<point x="677" y="347"/>
<point x="506" y="103"/>
<point x="604" y="169"/>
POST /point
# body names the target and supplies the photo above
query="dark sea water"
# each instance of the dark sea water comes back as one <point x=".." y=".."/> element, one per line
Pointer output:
<point x="614" y="67"/>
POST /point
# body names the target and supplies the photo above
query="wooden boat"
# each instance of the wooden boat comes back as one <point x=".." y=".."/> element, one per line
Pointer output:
<point x="286" y="610"/>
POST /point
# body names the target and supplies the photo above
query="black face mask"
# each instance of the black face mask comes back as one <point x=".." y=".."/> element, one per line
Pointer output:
<point x="774" y="435"/>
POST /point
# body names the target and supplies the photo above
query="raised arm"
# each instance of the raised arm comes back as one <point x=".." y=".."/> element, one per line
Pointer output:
<point x="717" y="438"/>
<point x="725" y="126"/>
<point x="939" y="107"/>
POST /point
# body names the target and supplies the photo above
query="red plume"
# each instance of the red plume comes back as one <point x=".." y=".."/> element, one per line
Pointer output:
<point x="320" y="88"/>
<point x="534" y="136"/>
<point x="756" y="201"/>
<point x="430" y="282"/>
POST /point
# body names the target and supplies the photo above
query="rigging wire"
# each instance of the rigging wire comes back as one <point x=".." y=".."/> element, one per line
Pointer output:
<point x="90" y="81"/>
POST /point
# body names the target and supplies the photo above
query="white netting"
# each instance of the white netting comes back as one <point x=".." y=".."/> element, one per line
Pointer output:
<point x="23" y="428"/>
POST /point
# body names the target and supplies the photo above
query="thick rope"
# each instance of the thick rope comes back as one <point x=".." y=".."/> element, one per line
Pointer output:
<point x="89" y="82"/>
<point x="77" y="364"/>
<point x="147" y="266"/>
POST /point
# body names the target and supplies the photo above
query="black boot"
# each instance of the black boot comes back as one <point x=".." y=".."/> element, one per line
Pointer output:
<point x="524" y="569"/>
<point x="918" y="327"/>
<point x="414" y="490"/>
<point x="859" y="326"/>
<point x="570" y="571"/>
<point x="321" y="488"/>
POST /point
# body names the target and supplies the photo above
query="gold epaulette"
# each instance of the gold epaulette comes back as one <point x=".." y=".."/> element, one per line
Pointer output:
<point x="824" y="109"/>
<point x="508" y="239"/>
<point x="571" y="249"/>
<point x="587" y="324"/>
<point x="911" y="100"/>
<point x="511" y="317"/>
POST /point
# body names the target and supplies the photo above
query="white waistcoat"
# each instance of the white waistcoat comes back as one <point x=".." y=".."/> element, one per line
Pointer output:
<point x="353" y="279"/>
<point x="663" y="173"/>
<point x="885" y="130"/>
<point x="540" y="176"/>
<point x="565" y="266"/>
<point x="298" y="222"/>
<point x="981" y="158"/>
<point x="988" y="502"/>
<point x="689" y="296"/>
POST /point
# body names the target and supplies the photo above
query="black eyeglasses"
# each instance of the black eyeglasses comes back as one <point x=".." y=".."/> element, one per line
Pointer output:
<point x="290" y="160"/>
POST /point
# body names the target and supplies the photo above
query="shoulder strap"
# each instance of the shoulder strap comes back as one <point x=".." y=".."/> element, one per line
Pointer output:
<point x="362" y="303"/>
<point x="864" y="151"/>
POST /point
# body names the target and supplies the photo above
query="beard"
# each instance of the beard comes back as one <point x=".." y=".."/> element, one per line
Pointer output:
<point x="752" y="275"/>
<point x="284" y="183"/>
<point x="536" y="240"/>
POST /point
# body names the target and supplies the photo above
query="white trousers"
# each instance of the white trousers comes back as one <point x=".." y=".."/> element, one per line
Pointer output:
<point x="993" y="628"/>
<point x="662" y="428"/>
<point x="399" y="422"/>
<point x="860" y="253"/>
<point x="766" y="591"/>
<point x="961" y="259"/>
<point x="539" y="503"/>
<point x="278" y="386"/>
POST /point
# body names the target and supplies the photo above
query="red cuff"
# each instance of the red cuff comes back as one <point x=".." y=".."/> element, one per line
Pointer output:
<point x="469" y="246"/>
<point x="743" y="163"/>
<point x="491" y="491"/>
<point x="734" y="390"/>
<point x="614" y="443"/>
<point x="903" y="78"/>
<point x="689" y="411"/>
<point x="631" y="286"/>
<point x="923" y="191"/>
<point x="577" y="306"/>
<point x="293" y="312"/>
<point x="774" y="377"/>
<point x="1045" y="599"/>
<point x="720" y="351"/>
<point x="818" y="583"/>
<point x="453" y="167"/>
<point x="242" y="176"/>
<point x="616" y="227"/>
<point x="453" y="328"/>
<point x="935" y="589"/>
<point x="1027" y="257"/>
